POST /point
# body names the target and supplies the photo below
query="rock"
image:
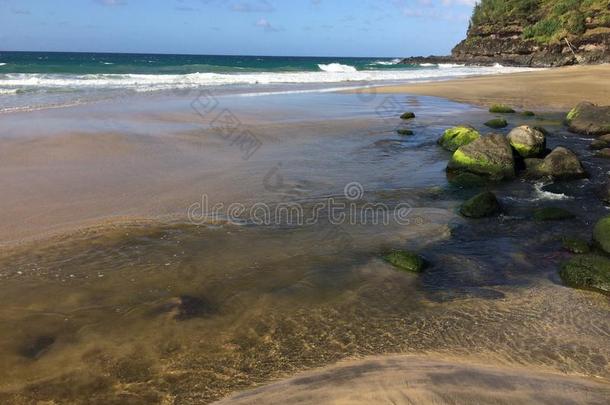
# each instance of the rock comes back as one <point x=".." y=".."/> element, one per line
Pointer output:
<point x="604" y="153"/>
<point x="589" y="119"/>
<point x="529" y="142"/>
<point x="601" y="143"/>
<point x="528" y="114"/>
<point x="590" y="272"/>
<point x="458" y="136"/>
<point x="406" y="261"/>
<point x="480" y="206"/>
<point x="605" y="193"/>
<point x="601" y="234"/>
<point x="489" y="156"/>
<point x="407" y="116"/>
<point x="404" y="132"/>
<point x="575" y="245"/>
<point x="497" y="123"/>
<point x="560" y="164"/>
<point x="552" y="214"/>
<point x="34" y="348"/>
<point x="466" y="180"/>
<point x="501" y="109"/>
<point x="185" y="307"/>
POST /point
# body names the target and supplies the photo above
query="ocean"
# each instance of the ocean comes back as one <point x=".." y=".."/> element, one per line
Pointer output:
<point x="30" y="80"/>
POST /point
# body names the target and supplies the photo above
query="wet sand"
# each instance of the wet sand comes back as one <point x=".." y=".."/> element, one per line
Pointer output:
<point x="109" y="294"/>
<point x="426" y="380"/>
<point x="559" y="88"/>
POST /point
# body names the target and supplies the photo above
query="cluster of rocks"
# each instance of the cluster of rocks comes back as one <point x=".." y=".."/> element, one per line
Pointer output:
<point x="479" y="159"/>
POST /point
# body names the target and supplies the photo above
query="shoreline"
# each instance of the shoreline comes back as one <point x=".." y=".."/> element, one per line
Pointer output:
<point x="548" y="89"/>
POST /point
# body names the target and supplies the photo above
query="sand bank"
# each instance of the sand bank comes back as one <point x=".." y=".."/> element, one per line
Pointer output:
<point x="559" y="88"/>
<point x="424" y="380"/>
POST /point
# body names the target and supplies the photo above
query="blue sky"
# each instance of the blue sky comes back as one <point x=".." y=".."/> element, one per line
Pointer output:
<point x="244" y="27"/>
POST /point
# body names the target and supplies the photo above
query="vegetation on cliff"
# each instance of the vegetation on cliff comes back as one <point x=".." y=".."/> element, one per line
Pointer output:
<point x="545" y="21"/>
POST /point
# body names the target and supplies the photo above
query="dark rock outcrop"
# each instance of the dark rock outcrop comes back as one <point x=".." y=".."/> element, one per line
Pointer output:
<point x="560" y="164"/>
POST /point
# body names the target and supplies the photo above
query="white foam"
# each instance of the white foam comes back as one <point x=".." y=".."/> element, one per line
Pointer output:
<point x="547" y="195"/>
<point x="334" y="73"/>
<point x="386" y="62"/>
<point x="2" y="64"/>
<point x="337" y="68"/>
<point x="9" y="91"/>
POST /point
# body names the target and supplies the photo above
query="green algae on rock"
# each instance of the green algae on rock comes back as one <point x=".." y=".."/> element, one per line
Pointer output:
<point x="589" y="119"/>
<point x="458" y="136"/>
<point x="466" y="180"/>
<point x="529" y="142"/>
<point x="552" y="214"/>
<point x="590" y="272"/>
<point x="480" y="206"/>
<point x="601" y="234"/>
<point x="528" y="114"/>
<point x="489" y="156"/>
<point x="575" y="245"/>
<point x="406" y="261"/>
<point x="501" y="109"/>
<point x="404" y="132"/>
<point x="408" y="115"/>
<point x="497" y="123"/>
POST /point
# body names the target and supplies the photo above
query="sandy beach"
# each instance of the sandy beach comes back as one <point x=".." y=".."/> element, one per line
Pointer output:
<point x="558" y="88"/>
<point x="112" y="292"/>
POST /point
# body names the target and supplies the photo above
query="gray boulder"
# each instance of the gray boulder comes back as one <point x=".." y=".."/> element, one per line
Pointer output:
<point x="560" y="164"/>
<point x="589" y="119"/>
<point x="529" y="142"/>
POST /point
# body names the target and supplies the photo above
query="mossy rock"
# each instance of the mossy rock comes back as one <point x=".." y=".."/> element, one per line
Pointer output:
<point x="528" y="114"/>
<point x="407" y="116"/>
<point x="489" y="156"/>
<point x="575" y="245"/>
<point x="552" y="214"/>
<point x="466" y="180"/>
<point x="406" y="261"/>
<point x="480" y="206"/>
<point x="501" y="109"/>
<point x="528" y="142"/>
<point x="590" y="272"/>
<point x="458" y="136"/>
<point x="601" y="234"/>
<point x="404" y="132"/>
<point x="589" y="119"/>
<point x="497" y="123"/>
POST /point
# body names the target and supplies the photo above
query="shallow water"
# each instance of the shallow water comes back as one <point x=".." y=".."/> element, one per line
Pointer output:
<point x="161" y="311"/>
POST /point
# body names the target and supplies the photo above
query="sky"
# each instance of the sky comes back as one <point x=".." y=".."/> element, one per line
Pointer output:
<point x="390" y="28"/>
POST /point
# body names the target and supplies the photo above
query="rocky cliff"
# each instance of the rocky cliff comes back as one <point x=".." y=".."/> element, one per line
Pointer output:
<point x="536" y="33"/>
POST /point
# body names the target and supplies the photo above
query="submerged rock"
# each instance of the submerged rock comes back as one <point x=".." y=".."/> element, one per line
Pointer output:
<point x="406" y="261"/>
<point x="407" y="116"/>
<point x="552" y="214"/>
<point x="601" y="143"/>
<point x="576" y="246"/>
<point x="483" y="205"/>
<point x="589" y="119"/>
<point x="560" y="164"/>
<point x="497" y="123"/>
<point x="458" y="136"/>
<point x="466" y="180"/>
<point x="604" y="153"/>
<point x="528" y="113"/>
<point x="36" y="347"/>
<point x="601" y="234"/>
<point x="490" y="156"/>
<point x="529" y="142"/>
<point x="590" y="272"/>
<point x="186" y="307"/>
<point x="404" y="132"/>
<point x="501" y="109"/>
